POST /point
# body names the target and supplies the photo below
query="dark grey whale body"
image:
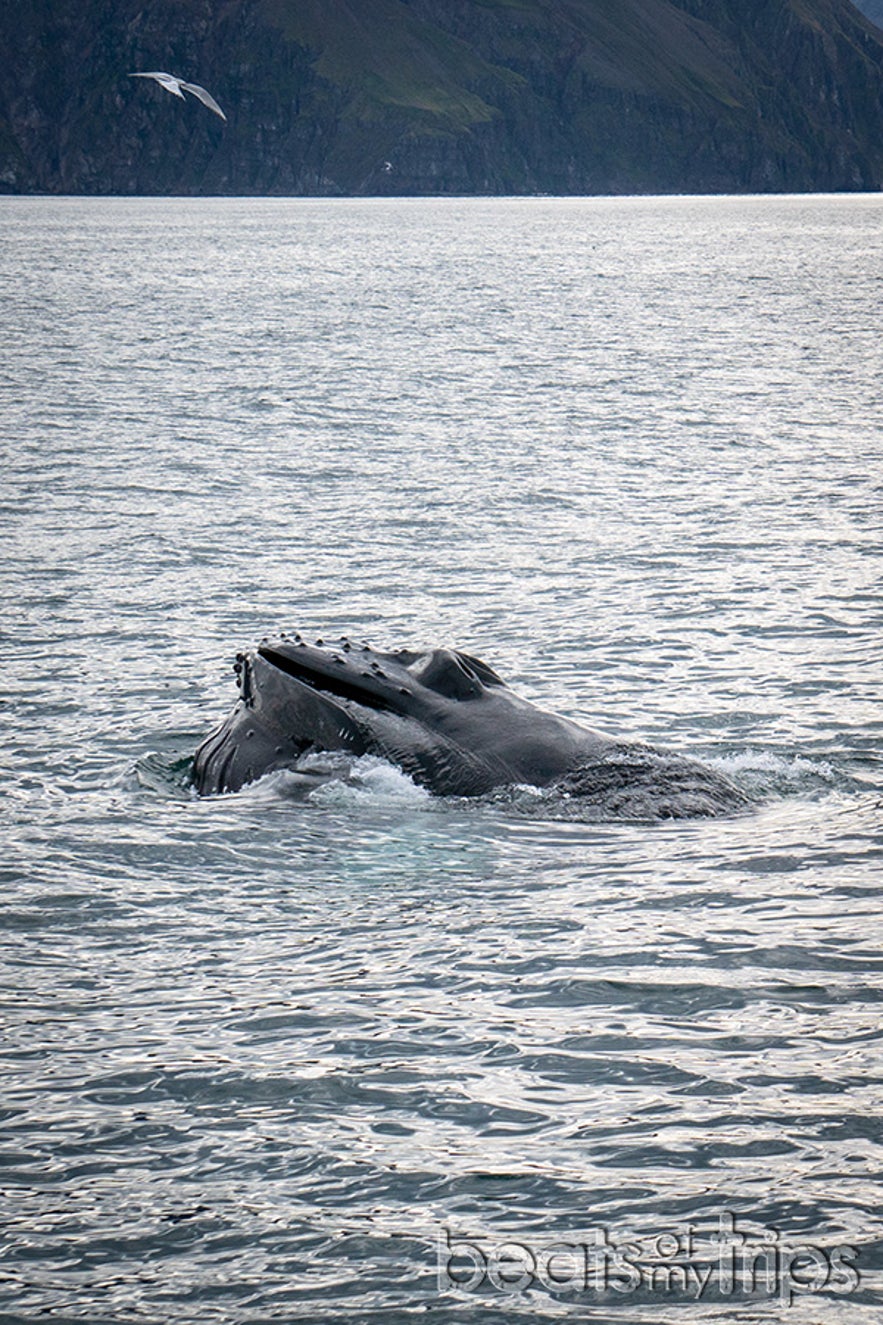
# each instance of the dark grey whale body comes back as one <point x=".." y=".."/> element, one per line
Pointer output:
<point x="444" y="718"/>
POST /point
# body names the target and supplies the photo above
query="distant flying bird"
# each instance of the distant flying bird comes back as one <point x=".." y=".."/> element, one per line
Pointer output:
<point x="174" y="85"/>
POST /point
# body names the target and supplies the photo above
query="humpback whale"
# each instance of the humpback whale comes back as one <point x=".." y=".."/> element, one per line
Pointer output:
<point x="447" y="720"/>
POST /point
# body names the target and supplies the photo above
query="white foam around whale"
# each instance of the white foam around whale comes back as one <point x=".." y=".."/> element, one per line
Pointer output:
<point x="337" y="778"/>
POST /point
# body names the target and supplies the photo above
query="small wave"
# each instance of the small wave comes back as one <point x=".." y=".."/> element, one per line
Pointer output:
<point x="161" y="774"/>
<point x="764" y="773"/>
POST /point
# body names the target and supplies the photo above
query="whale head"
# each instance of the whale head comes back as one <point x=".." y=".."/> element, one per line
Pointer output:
<point x="443" y="716"/>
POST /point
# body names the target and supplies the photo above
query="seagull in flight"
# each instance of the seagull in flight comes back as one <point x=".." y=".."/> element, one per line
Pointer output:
<point x="174" y="85"/>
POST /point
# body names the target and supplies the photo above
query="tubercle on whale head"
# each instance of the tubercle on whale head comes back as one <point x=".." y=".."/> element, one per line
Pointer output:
<point x="244" y="682"/>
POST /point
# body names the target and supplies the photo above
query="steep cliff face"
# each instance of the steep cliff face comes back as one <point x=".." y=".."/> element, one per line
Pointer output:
<point x="438" y="96"/>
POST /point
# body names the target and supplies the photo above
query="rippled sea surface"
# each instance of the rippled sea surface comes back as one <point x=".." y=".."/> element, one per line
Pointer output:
<point x="324" y="1059"/>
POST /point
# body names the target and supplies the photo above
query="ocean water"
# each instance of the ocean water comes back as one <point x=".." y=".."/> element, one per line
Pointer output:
<point x="373" y="1055"/>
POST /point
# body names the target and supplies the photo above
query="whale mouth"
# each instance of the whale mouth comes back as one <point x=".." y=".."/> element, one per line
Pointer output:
<point x="326" y="683"/>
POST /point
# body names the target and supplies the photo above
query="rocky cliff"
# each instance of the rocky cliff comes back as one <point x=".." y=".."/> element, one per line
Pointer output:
<point x="441" y="96"/>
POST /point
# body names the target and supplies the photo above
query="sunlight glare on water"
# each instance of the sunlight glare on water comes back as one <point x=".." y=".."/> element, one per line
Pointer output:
<point x="267" y="1056"/>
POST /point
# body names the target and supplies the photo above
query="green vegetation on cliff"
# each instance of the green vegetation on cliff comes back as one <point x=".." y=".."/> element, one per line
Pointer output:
<point x="441" y="96"/>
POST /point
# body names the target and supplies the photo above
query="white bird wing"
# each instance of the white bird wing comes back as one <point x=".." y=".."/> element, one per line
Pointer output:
<point x="205" y="97"/>
<point x="168" y="81"/>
